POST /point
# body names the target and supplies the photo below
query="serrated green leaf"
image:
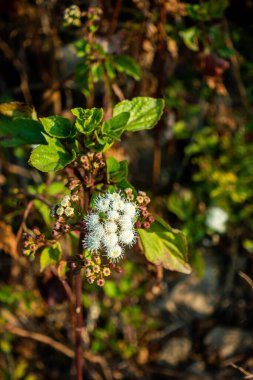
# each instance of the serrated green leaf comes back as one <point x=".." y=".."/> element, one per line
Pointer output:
<point x="50" y="255"/>
<point x="115" y="126"/>
<point x="116" y="171"/>
<point x="165" y="246"/>
<point x="57" y="126"/>
<point x="87" y="119"/>
<point x="125" y="63"/>
<point x="51" y="157"/>
<point x="20" y="131"/>
<point x="144" y="112"/>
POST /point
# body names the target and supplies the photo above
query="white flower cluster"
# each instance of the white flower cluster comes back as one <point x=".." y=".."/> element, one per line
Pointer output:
<point x="110" y="225"/>
<point x="65" y="208"/>
<point x="72" y="16"/>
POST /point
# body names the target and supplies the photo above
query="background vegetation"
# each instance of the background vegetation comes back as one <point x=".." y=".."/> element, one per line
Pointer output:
<point x="197" y="166"/>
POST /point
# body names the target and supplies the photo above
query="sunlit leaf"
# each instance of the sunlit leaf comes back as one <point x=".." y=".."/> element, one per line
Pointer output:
<point x="51" y="157"/>
<point x="50" y="255"/>
<point x="144" y="112"/>
<point x="165" y="246"/>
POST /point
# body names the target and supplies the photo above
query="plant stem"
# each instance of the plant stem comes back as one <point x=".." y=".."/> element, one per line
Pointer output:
<point x="79" y="318"/>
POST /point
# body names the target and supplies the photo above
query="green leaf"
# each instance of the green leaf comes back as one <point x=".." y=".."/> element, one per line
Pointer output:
<point x="57" y="126"/>
<point x="110" y="69"/>
<point x="116" y="171"/>
<point x="125" y="63"/>
<point x="191" y="38"/>
<point x="20" y="131"/>
<point x="144" y="112"/>
<point x="115" y="126"/>
<point x="18" y="110"/>
<point x="165" y="246"/>
<point x="50" y="255"/>
<point x="51" y="157"/>
<point x="87" y="119"/>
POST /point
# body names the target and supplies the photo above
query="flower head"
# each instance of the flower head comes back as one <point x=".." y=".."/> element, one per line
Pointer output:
<point x="69" y="211"/>
<point x="127" y="237"/>
<point x="60" y="211"/>
<point x="115" y="229"/>
<point x="115" y="253"/>
<point x="65" y="202"/>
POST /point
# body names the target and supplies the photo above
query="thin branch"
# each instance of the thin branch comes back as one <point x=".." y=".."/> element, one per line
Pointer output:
<point x="58" y="346"/>
<point x="247" y="279"/>
<point x="22" y="225"/>
<point x="39" y="338"/>
<point x="79" y="317"/>
<point x="242" y="370"/>
<point x="38" y="197"/>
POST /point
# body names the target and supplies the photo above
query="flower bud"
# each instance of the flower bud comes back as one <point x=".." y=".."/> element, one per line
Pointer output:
<point x="100" y="282"/>
<point x="146" y="225"/>
<point x="138" y="225"/>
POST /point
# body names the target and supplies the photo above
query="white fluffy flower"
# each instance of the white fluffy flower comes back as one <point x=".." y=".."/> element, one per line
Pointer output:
<point x="115" y="253"/>
<point x="113" y="215"/>
<point x="110" y="240"/>
<point x="126" y="222"/>
<point x="110" y="227"/>
<point x="130" y="210"/>
<point x="114" y="229"/>
<point x="91" y="243"/>
<point x="102" y="204"/>
<point x="113" y="196"/>
<point x="98" y="232"/>
<point x="127" y="237"/>
<point x="92" y="220"/>
<point x="118" y="205"/>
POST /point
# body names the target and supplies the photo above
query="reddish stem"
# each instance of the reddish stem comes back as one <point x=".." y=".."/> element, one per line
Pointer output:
<point x="79" y="318"/>
<point x="78" y="291"/>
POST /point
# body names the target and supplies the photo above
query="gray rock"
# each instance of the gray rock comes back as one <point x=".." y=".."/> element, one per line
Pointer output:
<point x="175" y="351"/>
<point x="193" y="296"/>
<point x="228" y="341"/>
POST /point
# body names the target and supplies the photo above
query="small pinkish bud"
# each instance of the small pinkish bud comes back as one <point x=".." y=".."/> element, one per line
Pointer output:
<point x="146" y="200"/>
<point x="99" y="156"/>
<point x="91" y="279"/>
<point x="151" y="219"/>
<point x="138" y="225"/>
<point x="146" y="225"/>
<point x="120" y="270"/>
<point x="100" y="282"/>
<point x="145" y="213"/>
